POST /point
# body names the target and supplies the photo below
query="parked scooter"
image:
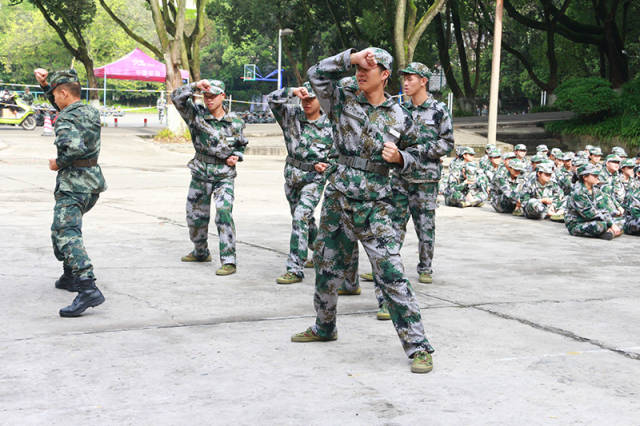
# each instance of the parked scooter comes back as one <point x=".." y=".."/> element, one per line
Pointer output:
<point x="16" y="112"/>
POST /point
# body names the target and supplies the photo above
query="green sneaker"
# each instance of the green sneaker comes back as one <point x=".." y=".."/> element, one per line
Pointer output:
<point x="227" y="269"/>
<point x="383" y="313"/>
<point x="422" y="362"/>
<point x="193" y="258"/>
<point x="288" y="278"/>
<point x="557" y="217"/>
<point x="425" y="278"/>
<point x="367" y="277"/>
<point x="344" y="292"/>
<point x="309" y="263"/>
<point x="309" y="336"/>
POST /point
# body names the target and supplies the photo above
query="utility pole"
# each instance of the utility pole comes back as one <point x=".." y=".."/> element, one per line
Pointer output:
<point x="495" y="74"/>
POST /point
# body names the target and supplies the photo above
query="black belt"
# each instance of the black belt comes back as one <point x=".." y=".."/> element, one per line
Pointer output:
<point x="88" y="162"/>
<point x="363" y="164"/>
<point x="302" y="165"/>
<point x="209" y="159"/>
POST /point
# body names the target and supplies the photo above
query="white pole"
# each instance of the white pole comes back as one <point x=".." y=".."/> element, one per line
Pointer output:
<point x="450" y="102"/>
<point x="279" y="59"/>
<point x="105" y="87"/>
<point x="495" y="75"/>
<point x="230" y="102"/>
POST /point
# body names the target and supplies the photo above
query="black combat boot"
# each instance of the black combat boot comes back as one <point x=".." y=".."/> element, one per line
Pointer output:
<point x="89" y="296"/>
<point x="67" y="281"/>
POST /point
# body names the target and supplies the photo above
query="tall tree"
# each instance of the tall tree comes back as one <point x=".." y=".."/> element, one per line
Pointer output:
<point x="70" y="19"/>
<point x="408" y="29"/>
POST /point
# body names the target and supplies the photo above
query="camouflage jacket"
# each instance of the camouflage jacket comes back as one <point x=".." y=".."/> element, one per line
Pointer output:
<point x="632" y="202"/>
<point x="361" y="129"/>
<point x="490" y="173"/>
<point x="615" y="181"/>
<point x="27" y="98"/>
<point x="456" y="182"/>
<point x="433" y="122"/>
<point x="77" y="132"/>
<point x="531" y="188"/>
<point x="308" y="141"/>
<point x="216" y="138"/>
<point x="612" y="204"/>
<point x="584" y="206"/>
<point x="484" y="163"/>
<point x="564" y="179"/>
<point x="503" y="184"/>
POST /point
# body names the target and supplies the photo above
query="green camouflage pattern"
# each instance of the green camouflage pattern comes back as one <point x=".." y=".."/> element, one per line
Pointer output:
<point x="632" y="210"/>
<point x="66" y="231"/>
<point x="466" y="185"/>
<point x="357" y="204"/>
<point x="220" y="139"/>
<point x="615" y="182"/>
<point x="417" y="68"/>
<point x="504" y="192"/>
<point x="307" y="141"/>
<point x="198" y="215"/>
<point x="530" y="194"/>
<point x="343" y="222"/>
<point x="586" y="212"/>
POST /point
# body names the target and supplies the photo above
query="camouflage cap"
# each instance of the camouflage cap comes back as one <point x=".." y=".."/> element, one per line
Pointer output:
<point x="508" y="155"/>
<point x="520" y="147"/>
<point x="349" y="83"/>
<point x="416" y="68"/>
<point x="518" y="164"/>
<point x="556" y="152"/>
<point x="310" y="91"/>
<point x="568" y="156"/>
<point x="488" y="147"/>
<point x="628" y="163"/>
<point x="619" y="151"/>
<point x="579" y="161"/>
<point x="595" y="151"/>
<point x="62" y="77"/>
<point x="542" y="148"/>
<point x="217" y="87"/>
<point x="545" y="167"/>
<point x="493" y="153"/>
<point x="383" y="57"/>
<point x="588" y="169"/>
<point x="538" y="158"/>
<point x="467" y="150"/>
<point x="613" y="158"/>
<point x="588" y="147"/>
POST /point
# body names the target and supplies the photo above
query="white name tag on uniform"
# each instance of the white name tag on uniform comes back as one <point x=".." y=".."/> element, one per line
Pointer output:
<point x="394" y="133"/>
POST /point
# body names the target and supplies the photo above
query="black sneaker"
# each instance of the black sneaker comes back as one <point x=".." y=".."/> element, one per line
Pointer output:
<point x="607" y="236"/>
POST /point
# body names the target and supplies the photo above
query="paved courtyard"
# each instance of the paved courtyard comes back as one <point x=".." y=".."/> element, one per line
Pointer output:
<point x="530" y="325"/>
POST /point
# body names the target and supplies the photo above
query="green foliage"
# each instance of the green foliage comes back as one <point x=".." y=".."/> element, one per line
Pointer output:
<point x="630" y="97"/>
<point x="626" y="127"/>
<point x="546" y="108"/>
<point x="167" y="136"/>
<point x="590" y="98"/>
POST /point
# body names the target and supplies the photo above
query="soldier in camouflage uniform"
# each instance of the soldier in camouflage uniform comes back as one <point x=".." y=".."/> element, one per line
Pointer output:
<point x="415" y="193"/>
<point x="564" y="173"/>
<point x="27" y="96"/>
<point x="595" y="156"/>
<point x="466" y="188"/>
<point x="78" y="185"/>
<point x="308" y="137"/>
<point x="627" y="174"/>
<point x="369" y="129"/>
<point x="587" y="214"/>
<point x="504" y="187"/>
<point x="219" y="144"/>
<point x="485" y="162"/>
<point x="632" y="206"/>
<point x="502" y="169"/>
<point x="610" y="175"/>
<point x="541" y="198"/>
<point x="495" y="161"/>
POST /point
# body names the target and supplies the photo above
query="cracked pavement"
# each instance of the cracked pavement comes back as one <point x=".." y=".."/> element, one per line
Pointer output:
<point x="529" y="324"/>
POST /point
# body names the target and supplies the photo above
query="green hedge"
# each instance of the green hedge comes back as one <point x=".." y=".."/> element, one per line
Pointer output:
<point x="590" y="98"/>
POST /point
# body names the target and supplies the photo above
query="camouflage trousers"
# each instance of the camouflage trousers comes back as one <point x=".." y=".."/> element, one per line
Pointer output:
<point x="536" y="209"/>
<point x="303" y="199"/>
<point x="632" y="225"/>
<point x="503" y="204"/>
<point x="343" y="222"/>
<point x="66" y="231"/>
<point x="198" y="215"/>
<point x="592" y="228"/>
<point x="474" y="198"/>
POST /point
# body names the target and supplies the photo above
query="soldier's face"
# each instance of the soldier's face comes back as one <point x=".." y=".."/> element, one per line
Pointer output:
<point x="591" y="179"/>
<point x="370" y="80"/>
<point x="567" y="164"/>
<point x="62" y="97"/>
<point x="595" y="158"/>
<point x="544" y="178"/>
<point x="413" y="84"/>
<point x="514" y="173"/>
<point x="627" y="171"/>
<point x="495" y="161"/>
<point x="213" y="102"/>
<point x="467" y="157"/>
<point x="311" y="106"/>
<point x="520" y="154"/>
<point x="613" y="166"/>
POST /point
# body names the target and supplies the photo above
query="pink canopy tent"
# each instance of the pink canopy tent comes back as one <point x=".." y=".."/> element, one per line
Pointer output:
<point x="136" y="65"/>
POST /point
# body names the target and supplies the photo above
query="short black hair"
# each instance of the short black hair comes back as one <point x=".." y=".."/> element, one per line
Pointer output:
<point x="73" y="88"/>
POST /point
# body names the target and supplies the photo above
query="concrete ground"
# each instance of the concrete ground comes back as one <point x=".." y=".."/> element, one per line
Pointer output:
<point x="530" y="325"/>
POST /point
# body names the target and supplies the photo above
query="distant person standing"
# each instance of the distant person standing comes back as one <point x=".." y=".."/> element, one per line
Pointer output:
<point x="161" y="105"/>
<point x="27" y="96"/>
<point x="78" y="185"/>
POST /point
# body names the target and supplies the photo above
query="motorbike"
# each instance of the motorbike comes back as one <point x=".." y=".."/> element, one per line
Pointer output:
<point x="17" y="114"/>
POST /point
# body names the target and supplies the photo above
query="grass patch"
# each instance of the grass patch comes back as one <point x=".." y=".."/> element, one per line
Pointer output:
<point x="167" y="136"/>
<point x="625" y="127"/>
